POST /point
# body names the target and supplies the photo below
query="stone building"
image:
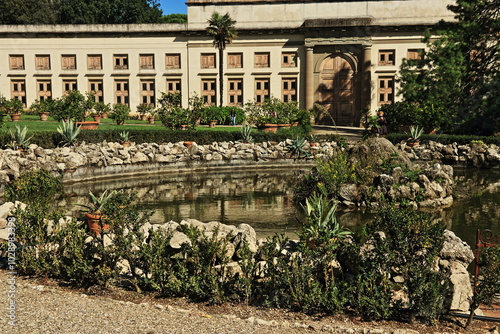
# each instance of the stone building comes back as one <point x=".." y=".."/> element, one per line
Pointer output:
<point x="343" y="55"/>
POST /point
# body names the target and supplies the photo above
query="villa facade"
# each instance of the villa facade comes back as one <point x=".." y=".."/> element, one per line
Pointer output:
<point x="342" y="55"/>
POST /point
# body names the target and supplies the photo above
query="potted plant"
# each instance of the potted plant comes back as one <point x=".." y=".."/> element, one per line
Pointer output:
<point x="144" y="110"/>
<point x="13" y="107"/>
<point x="43" y="108"/>
<point x="124" y="138"/>
<point x="212" y="115"/>
<point x="120" y="113"/>
<point x="152" y="116"/>
<point x="415" y="134"/>
<point x="172" y="115"/>
<point x="93" y="213"/>
<point x="313" y="140"/>
<point x="272" y="114"/>
<point x="102" y="109"/>
<point x="74" y="106"/>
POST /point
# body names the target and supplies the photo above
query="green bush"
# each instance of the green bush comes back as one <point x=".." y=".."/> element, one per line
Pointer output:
<point x="222" y="115"/>
<point x="487" y="283"/>
<point x="409" y="248"/>
<point x="35" y="187"/>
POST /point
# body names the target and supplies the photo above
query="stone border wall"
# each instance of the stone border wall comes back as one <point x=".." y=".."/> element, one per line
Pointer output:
<point x="104" y="160"/>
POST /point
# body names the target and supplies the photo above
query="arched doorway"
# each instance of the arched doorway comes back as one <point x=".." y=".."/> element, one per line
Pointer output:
<point x="336" y="90"/>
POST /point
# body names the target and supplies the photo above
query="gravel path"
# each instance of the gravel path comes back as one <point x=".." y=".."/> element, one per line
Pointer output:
<point x="51" y="309"/>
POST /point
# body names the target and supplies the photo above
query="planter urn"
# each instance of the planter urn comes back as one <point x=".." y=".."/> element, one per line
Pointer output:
<point x="15" y="117"/>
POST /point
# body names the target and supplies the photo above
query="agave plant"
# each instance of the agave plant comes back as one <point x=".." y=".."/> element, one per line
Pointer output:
<point x="124" y="136"/>
<point x="97" y="202"/>
<point x="321" y="224"/>
<point x="416" y="132"/>
<point x="296" y="147"/>
<point x="68" y="132"/>
<point x="246" y="133"/>
<point x="18" y="138"/>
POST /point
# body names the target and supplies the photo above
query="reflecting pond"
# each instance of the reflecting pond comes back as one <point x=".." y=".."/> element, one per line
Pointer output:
<point x="264" y="199"/>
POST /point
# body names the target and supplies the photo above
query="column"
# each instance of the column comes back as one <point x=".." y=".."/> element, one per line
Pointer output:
<point x="366" y="78"/>
<point x="309" y="78"/>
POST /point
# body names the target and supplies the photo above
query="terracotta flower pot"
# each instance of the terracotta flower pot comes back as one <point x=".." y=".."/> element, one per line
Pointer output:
<point x="44" y="116"/>
<point x="15" y="117"/>
<point x="97" y="118"/>
<point x="95" y="221"/>
<point x="151" y="120"/>
<point x="188" y="143"/>
<point x="268" y="127"/>
<point x="211" y="124"/>
<point x="90" y="125"/>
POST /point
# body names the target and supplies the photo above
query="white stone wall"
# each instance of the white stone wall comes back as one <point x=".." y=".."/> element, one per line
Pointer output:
<point x="255" y="14"/>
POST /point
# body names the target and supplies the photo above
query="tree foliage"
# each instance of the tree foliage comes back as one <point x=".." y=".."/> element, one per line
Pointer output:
<point x="455" y="78"/>
<point x="174" y="18"/>
<point x="222" y="29"/>
<point x="79" y="11"/>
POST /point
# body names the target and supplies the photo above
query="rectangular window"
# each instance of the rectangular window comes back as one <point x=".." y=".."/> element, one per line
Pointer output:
<point x="16" y="62"/>
<point x="261" y="90"/>
<point x="385" y="90"/>
<point x="261" y="59"/>
<point x="208" y="91"/>
<point x="173" y="86"/>
<point x="96" y="87"/>
<point x="121" y="92"/>
<point x="208" y="60"/>
<point x="18" y="90"/>
<point x="120" y="62"/>
<point x="68" y="62"/>
<point x="148" y="92"/>
<point x="289" y="89"/>
<point x="415" y="53"/>
<point x="42" y="62"/>
<point x="173" y="61"/>
<point x="386" y="57"/>
<point x="68" y="86"/>
<point x="94" y="62"/>
<point x="147" y="62"/>
<point x="235" y="92"/>
<point x="44" y="89"/>
<point x="235" y="60"/>
<point x="289" y="59"/>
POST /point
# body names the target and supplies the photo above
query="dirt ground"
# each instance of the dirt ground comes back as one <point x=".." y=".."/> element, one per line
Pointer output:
<point x="311" y="324"/>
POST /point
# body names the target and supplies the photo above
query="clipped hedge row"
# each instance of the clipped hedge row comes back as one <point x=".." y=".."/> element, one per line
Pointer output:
<point x="51" y="139"/>
<point x="446" y="139"/>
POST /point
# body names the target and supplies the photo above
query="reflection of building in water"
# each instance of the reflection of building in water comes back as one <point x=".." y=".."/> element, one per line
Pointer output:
<point x="256" y="198"/>
<point x="343" y="55"/>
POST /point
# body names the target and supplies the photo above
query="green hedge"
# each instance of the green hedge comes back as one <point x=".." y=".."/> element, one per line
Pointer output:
<point x="446" y="139"/>
<point x="51" y="139"/>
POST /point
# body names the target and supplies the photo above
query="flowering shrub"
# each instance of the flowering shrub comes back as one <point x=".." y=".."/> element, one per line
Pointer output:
<point x="272" y="111"/>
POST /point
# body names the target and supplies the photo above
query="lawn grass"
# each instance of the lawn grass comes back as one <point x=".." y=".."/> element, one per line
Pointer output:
<point x="33" y="123"/>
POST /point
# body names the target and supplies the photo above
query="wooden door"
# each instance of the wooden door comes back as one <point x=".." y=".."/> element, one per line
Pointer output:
<point x="337" y="91"/>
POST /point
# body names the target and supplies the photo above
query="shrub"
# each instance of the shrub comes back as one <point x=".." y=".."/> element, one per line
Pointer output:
<point x="74" y="106"/>
<point x="222" y="115"/>
<point x="409" y="248"/>
<point x="120" y="113"/>
<point x="35" y="187"/>
<point x="487" y="283"/>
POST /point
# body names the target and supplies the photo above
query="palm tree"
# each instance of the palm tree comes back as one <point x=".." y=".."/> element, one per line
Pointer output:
<point x="221" y="28"/>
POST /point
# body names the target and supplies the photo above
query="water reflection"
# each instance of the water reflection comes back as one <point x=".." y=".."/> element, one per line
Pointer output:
<point x="263" y="199"/>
